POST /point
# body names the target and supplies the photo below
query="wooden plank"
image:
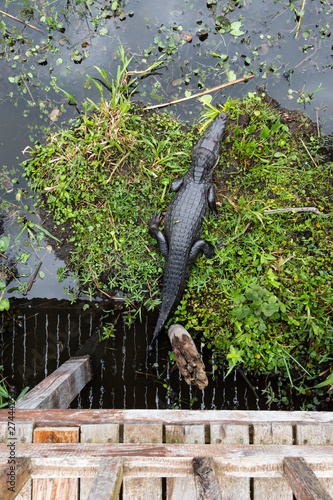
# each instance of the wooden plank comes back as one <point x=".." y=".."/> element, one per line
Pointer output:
<point x="272" y="434"/>
<point x="142" y="488"/>
<point x="252" y="455"/>
<point x="96" y="433"/>
<point x="230" y="487"/>
<point x="22" y="432"/>
<point x="108" y="480"/>
<point x="60" y="388"/>
<point x="205" y="479"/>
<point x="77" y="417"/>
<point x="141" y="466"/>
<point x="314" y="435"/>
<point x="177" y="488"/>
<point x="13" y="476"/>
<point x="303" y="481"/>
<point x="60" y="487"/>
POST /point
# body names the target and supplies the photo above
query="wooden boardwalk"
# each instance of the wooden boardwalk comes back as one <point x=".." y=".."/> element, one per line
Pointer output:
<point x="159" y="454"/>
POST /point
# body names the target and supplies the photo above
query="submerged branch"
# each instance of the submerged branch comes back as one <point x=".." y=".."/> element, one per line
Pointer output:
<point x="33" y="277"/>
<point x="223" y="85"/>
<point x="20" y="21"/>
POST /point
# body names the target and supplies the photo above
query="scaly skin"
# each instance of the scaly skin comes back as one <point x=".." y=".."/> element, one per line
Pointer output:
<point x="184" y="217"/>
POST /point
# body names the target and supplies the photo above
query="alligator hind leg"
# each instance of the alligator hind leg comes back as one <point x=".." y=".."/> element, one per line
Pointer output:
<point x="201" y="246"/>
<point x="156" y="233"/>
<point x="211" y="201"/>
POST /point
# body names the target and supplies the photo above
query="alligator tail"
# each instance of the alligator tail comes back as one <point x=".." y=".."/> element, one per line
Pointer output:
<point x="162" y="318"/>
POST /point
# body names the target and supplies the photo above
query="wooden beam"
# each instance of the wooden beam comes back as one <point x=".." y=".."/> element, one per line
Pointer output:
<point x="108" y="480"/>
<point x="303" y="481"/>
<point x="78" y="416"/>
<point x="205" y="479"/>
<point x="13" y="477"/>
<point x="60" y="388"/>
<point x="249" y="454"/>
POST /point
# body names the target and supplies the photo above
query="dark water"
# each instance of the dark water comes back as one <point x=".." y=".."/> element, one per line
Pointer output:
<point x="38" y="334"/>
<point x="45" y="333"/>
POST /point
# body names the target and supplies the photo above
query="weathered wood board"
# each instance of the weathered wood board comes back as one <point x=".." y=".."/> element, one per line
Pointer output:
<point x="96" y="433"/>
<point x="230" y="434"/>
<point x="314" y="434"/>
<point x="211" y="453"/>
<point x="183" y="434"/>
<point x="272" y="434"/>
<point x="49" y="489"/>
<point x="303" y="481"/>
<point x="60" y="388"/>
<point x="142" y="488"/>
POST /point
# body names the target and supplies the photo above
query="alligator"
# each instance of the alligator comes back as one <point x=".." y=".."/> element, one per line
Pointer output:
<point x="183" y="220"/>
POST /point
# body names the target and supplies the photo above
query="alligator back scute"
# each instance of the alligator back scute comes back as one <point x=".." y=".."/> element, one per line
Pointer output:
<point x="184" y="218"/>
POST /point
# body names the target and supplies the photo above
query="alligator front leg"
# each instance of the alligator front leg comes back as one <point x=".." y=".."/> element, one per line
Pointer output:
<point x="177" y="184"/>
<point x="155" y="232"/>
<point x="201" y="246"/>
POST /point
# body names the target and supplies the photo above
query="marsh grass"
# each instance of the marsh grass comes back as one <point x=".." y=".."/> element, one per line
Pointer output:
<point x="265" y="300"/>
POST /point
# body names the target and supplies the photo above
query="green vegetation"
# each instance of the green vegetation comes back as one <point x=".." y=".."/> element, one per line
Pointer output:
<point x="265" y="300"/>
<point x="6" y="392"/>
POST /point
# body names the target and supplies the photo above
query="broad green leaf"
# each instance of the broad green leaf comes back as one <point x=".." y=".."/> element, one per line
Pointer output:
<point x="4" y="243"/>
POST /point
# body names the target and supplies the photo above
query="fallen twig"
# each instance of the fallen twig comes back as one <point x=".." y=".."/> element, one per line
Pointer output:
<point x="308" y="57"/>
<point x="223" y="85"/>
<point x="20" y="21"/>
<point x="293" y="209"/>
<point x="26" y="86"/>
<point x="240" y="371"/>
<point x="235" y="237"/>
<point x="306" y="149"/>
<point x="33" y="277"/>
<point x="2" y="255"/>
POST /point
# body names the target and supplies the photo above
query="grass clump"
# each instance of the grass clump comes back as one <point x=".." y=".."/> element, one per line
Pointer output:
<point x="265" y="300"/>
<point x="100" y="181"/>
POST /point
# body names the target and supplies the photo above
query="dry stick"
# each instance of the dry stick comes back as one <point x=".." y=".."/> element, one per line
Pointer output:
<point x="240" y="371"/>
<point x="293" y="209"/>
<point x="20" y="21"/>
<point x="308" y="57"/>
<point x="235" y="237"/>
<point x="2" y="255"/>
<point x="306" y="149"/>
<point x="33" y="277"/>
<point x="26" y="86"/>
<point x="200" y="93"/>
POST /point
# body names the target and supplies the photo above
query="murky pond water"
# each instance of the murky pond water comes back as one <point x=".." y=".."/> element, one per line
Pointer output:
<point x="202" y="45"/>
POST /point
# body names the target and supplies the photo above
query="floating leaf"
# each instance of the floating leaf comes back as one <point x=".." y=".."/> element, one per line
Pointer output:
<point x="187" y="38"/>
<point x="76" y="57"/>
<point x="4" y="305"/>
<point x="231" y="76"/>
<point x="103" y="31"/>
<point x="54" y="115"/>
<point x="177" y="82"/>
<point x="4" y="243"/>
<point x="235" y="29"/>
